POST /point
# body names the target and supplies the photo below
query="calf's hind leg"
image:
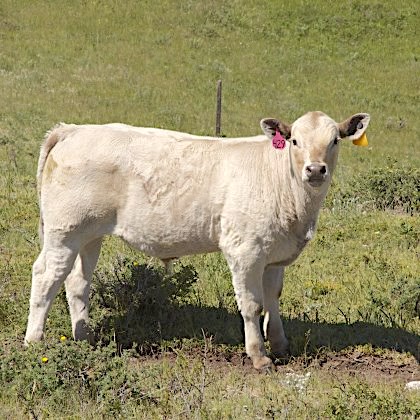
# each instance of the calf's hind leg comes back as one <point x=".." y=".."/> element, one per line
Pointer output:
<point x="49" y="271"/>
<point x="77" y="289"/>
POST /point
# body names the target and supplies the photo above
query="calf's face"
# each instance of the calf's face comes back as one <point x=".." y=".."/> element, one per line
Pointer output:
<point x="314" y="143"/>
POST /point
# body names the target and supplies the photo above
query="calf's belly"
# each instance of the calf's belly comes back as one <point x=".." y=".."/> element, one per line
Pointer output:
<point x="163" y="239"/>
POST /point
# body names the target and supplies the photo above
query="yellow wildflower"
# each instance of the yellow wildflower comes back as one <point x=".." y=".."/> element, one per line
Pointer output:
<point x="63" y="338"/>
<point x="135" y="263"/>
<point x="44" y="359"/>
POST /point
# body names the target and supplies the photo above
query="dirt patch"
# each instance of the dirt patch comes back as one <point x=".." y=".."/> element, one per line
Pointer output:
<point x="214" y="356"/>
<point x="389" y="366"/>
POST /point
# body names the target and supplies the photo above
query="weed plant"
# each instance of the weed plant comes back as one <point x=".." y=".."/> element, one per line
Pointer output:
<point x="383" y="188"/>
<point x="136" y="302"/>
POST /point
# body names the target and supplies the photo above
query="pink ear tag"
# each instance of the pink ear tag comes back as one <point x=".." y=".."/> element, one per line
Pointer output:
<point x="278" y="141"/>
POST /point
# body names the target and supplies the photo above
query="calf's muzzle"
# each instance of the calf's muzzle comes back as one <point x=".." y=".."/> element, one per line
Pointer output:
<point x="316" y="173"/>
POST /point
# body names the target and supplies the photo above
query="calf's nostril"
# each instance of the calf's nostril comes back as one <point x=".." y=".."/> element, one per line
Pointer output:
<point x="323" y="169"/>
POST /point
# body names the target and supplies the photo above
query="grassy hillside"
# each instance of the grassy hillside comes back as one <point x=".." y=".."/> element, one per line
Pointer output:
<point x="354" y="290"/>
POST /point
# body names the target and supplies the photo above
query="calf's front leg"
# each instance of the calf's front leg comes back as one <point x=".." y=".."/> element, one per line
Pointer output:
<point x="247" y="283"/>
<point x="273" y="327"/>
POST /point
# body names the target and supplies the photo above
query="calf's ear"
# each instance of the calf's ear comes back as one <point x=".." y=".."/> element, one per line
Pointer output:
<point x="271" y="125"/>
<point x="354" y="127"/>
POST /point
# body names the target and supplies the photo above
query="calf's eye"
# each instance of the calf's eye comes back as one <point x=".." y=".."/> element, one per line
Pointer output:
<point x="294" y="142"/>
<point x="336" y="140"/>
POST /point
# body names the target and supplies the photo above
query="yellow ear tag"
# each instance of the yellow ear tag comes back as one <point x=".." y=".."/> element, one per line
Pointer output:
<point x="362" y="141"/>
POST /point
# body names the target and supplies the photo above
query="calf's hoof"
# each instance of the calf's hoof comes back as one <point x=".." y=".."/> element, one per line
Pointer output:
<point x="33" y="337"/>
<point x="262" y="363"/>
<point x="83" y="332"/>
<point x="281" y="350"/>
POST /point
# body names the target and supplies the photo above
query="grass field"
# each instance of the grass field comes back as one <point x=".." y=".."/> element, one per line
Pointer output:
<point x="351" y="301"/>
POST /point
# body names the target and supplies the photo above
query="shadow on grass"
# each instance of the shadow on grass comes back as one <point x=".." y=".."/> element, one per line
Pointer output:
<point x="315" y="335"/>
<point x="141" y="306"/>
<point x="226" y="328"/>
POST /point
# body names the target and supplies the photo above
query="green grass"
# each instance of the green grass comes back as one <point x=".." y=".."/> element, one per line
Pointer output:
<point x="156" y="64"/>
<point x="77" y="381"/>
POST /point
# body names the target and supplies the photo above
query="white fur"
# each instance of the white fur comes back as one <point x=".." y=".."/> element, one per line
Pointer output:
<point x="170" y="194"/>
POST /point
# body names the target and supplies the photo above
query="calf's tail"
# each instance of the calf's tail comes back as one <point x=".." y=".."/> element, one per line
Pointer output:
<point x="57" y="134"/>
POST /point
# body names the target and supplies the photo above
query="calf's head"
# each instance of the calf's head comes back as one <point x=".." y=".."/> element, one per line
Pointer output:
<point x="314" y="143"/>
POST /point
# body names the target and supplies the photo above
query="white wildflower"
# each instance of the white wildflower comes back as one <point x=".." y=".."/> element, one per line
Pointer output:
<point x="413" y="386"/>
<point x="297" y="381"/>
